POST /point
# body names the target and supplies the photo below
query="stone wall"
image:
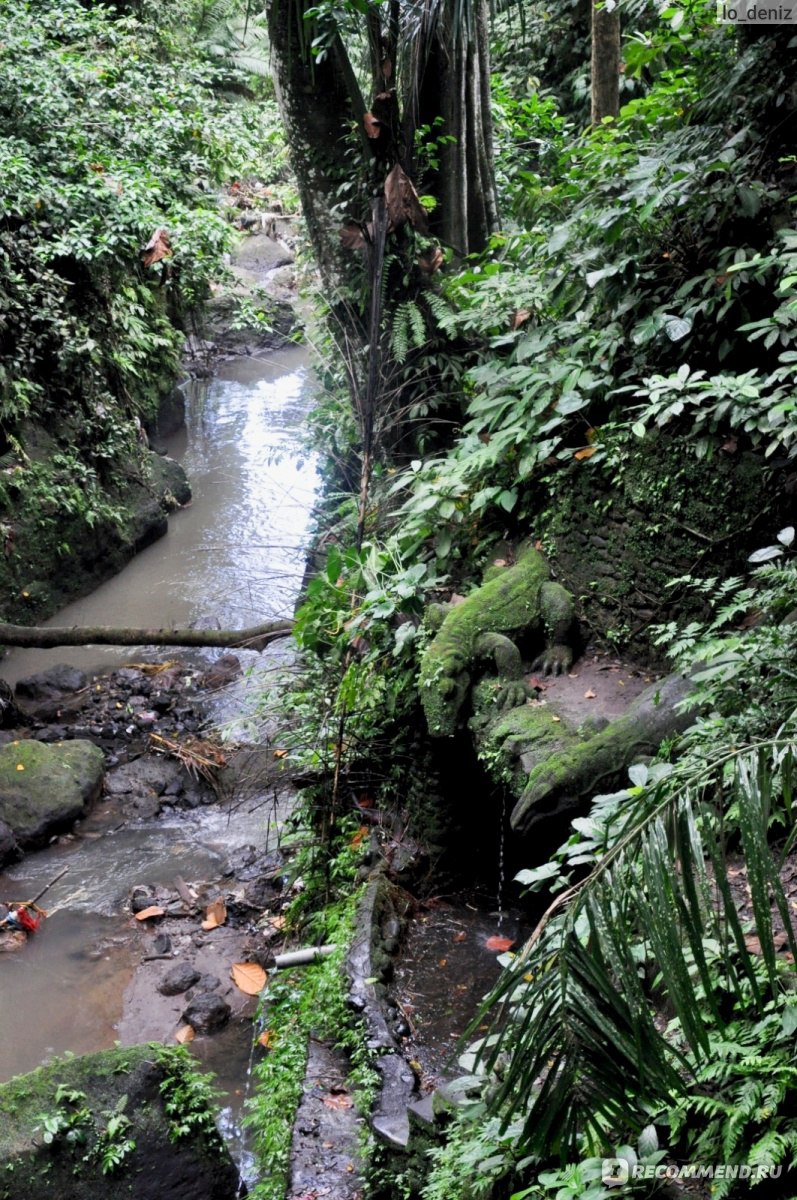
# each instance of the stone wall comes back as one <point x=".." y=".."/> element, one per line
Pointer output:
<point x="619" y="534"/>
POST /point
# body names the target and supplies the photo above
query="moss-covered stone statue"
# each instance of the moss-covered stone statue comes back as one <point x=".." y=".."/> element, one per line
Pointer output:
<point x="520" y="601"/>
<point x="548" y="762"/>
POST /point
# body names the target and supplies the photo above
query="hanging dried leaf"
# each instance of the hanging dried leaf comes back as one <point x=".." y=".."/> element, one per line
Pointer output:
<point x="587" y="452"/>
<point x="352" y="236"/>
<point x="402" y="201"/>
<point x="154" y="910"/>
<point x="519" y="317"/>
<point x="215" y="915"/>
<point x="387" y="68"/>
<point x="157" y="247"/>
<point x="373" y="128"/>
<point x="266" y="1039"/>
<point x="185" y="1033"/>
<point x="249" y="977"/>
<point x="431" y="261"/>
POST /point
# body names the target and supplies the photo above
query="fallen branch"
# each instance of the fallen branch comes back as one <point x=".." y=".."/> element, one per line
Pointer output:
<point x="103" y="635"/>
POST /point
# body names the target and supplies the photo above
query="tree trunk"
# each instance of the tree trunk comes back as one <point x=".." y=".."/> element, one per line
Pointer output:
<point x="318" y="102"/>
<point x="468" y="211"/>
<point x="103" y="635"/>
<point x="605" y="60"/>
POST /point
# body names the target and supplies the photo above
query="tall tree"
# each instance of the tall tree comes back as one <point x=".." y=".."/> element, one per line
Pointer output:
<point x="605" y="59"/>
<point x="429" y="69"/>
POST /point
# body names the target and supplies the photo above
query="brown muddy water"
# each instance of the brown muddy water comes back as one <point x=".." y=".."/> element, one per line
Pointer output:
<point x="234" y="558"/>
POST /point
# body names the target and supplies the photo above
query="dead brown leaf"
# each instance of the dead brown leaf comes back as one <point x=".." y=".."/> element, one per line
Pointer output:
<point x="352" y="236"/>
<point x="587" y="452"/>
<point x="519" y="317"/>
<point x="499" y="943"/>
<point x="154" y="910"/>
<point x="339" y="1100"/>
<point x="402" y="201"/>
<point x="589" y="694"/>
<point x="431" y="261"/>
<point x="215" y="915"/>
<point x="373" y="128"/>
<point x="185" y="1033"/>
<point x="158" y="247"/>
<point x="249" y="977"/>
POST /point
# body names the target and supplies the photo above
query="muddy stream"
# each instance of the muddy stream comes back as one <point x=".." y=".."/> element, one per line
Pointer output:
<point x="233" y="558"/>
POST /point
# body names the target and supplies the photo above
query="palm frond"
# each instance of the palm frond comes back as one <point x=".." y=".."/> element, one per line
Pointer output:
<point x="578" y="1039"/>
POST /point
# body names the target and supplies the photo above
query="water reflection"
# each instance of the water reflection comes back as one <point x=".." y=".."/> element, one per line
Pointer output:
<point x="235" y="556"/>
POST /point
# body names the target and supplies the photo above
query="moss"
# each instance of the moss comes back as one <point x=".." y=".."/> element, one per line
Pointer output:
<point x="172" y="1152"/>
<point x="25" y="1098"/>
<point x="513" y="742"/>
<point x="510" y="603"/>
<point x="649" y="513"/>
<point x="56" y="549"/>
<point x="45" y="786"/>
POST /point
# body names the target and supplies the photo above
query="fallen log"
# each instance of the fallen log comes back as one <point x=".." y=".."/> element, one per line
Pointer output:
<point x="41" y="638"/>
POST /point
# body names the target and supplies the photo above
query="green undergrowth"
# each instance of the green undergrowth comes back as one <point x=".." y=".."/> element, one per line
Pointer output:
<point x="297" y="1005"/>
<point x="119" y="128"/>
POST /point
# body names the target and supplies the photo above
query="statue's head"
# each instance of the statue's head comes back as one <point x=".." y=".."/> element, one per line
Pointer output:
<point x="443" y="699"/>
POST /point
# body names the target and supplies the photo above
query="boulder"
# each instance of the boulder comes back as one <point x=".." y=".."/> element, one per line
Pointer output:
<point x="59" y="681"/>
<point x="207" y="1013"/>
<point x="178" y="979"/>
<point x="8" y="843"/>
<point x="172" y="1150"/>
<point x="45" y="787"/>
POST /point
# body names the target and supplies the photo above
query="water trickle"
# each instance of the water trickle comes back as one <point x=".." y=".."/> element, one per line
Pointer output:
<point x="501" y="865"/>
<point x="245" y="1158"/>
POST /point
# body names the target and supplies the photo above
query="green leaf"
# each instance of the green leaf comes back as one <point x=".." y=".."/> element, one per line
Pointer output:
<point x="765" y="554"/>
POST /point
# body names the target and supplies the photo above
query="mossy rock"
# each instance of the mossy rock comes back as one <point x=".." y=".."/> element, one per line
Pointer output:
<point x="168" y="479"/>
<point x="44" y="788"/>
<point x="64" y="555"/>
<point x="177" y="1153"/>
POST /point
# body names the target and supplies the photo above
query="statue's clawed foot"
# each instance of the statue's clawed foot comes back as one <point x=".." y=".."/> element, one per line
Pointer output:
<point x="555" y="660"/>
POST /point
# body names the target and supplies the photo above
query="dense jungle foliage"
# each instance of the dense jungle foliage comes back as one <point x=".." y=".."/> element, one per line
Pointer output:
<point x="626" y="339"/>
<point x="118" y="127"/>
<point x="639" y="302"/>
